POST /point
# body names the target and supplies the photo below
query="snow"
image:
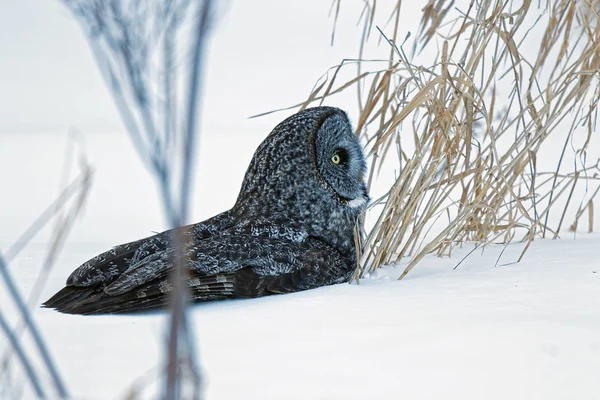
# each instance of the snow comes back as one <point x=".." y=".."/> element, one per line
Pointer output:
<point x="521" y="331"/>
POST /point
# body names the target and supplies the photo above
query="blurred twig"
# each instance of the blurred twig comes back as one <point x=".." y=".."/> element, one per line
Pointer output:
<point x="23" y="358"/>
<point x="179" y="298"/>
<point x="127" y="39"/>
<point x="35" y="333"/>
<point x="77" y="190"/>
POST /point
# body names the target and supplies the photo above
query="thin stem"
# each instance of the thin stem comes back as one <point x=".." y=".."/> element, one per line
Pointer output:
<point x="37" y="337"/>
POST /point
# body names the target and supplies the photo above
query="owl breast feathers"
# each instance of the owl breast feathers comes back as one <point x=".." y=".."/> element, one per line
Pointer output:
<point x="291" y="229"/>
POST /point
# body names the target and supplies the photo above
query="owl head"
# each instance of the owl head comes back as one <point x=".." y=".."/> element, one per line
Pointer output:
<point x="310" y="165"/>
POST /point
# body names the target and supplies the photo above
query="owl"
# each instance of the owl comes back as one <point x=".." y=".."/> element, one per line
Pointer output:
<point x="291" y="229"/>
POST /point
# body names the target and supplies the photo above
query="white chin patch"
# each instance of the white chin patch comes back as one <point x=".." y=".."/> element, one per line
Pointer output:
<point x="357" y="203"/>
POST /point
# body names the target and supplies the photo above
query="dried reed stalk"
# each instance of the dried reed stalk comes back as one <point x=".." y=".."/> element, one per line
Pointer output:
<point x="469" y="171"/>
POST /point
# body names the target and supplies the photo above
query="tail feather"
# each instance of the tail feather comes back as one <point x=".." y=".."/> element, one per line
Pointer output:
<point x="154" y="294"/>
<point x="69" y="295"/>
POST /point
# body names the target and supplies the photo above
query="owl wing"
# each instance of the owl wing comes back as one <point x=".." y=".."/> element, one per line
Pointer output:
<point x="219" y="267"/>
<point x="108" y="266"/>
<point x="105" y="268"/>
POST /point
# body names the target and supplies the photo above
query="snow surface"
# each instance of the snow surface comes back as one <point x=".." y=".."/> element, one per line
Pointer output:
<point x="520" y="331"/>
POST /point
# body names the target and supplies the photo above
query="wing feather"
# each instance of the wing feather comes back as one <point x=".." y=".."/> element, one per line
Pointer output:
<point x="219" y="267"/>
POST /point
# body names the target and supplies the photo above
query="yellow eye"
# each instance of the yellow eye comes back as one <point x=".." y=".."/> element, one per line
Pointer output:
<point x="335" y="158"/>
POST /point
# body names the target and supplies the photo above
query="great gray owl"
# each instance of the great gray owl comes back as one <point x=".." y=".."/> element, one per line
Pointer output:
<point x="291" y="229"/>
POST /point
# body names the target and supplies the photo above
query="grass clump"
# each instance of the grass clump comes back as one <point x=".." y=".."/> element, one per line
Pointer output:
<point x="470" y="133"/>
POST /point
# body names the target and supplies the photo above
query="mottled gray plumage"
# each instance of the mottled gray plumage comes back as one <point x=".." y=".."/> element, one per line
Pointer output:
<point x="291" y="229"/>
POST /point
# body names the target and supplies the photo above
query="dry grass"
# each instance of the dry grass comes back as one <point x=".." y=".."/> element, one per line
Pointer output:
<point x="37" y="362"/>
<point x="468" y="130"/>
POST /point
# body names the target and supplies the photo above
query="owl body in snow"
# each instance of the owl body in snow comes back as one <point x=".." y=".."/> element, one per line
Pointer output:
<point x="291" y="229"/>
